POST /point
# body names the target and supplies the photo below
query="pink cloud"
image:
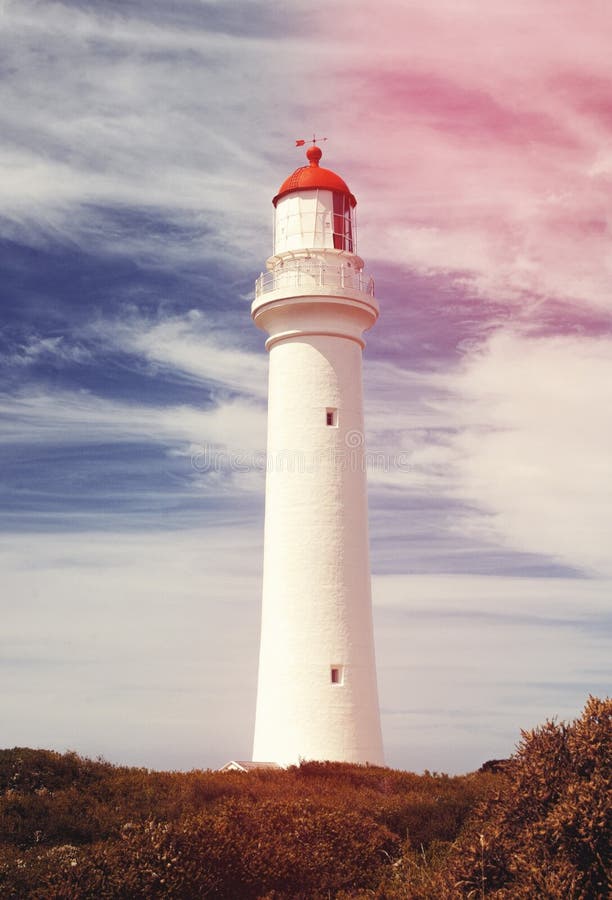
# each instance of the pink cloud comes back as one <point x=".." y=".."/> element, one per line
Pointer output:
<point x="587" y="93"/>
<point x="471" y="114"/>
<point x="479" y="139"/>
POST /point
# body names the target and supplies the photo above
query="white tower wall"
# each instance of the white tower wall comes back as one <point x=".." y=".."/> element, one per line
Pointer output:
<point x="304" y="219"/>
<point x="317" y="693"/>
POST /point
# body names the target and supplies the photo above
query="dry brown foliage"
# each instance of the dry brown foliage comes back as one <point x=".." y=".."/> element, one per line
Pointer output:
<point x="537" y="825"/>
<point x="548" y="831"/>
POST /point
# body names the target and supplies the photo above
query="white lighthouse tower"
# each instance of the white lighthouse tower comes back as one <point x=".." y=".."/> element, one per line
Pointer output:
<point x="317" y="695"/>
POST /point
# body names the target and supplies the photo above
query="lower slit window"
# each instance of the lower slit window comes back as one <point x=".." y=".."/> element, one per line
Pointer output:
<point x="336" y="675"/>
<point x="331" y="416"/>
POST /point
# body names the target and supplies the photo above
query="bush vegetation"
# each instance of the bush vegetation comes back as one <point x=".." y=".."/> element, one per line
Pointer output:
<point x="537" y="825"/>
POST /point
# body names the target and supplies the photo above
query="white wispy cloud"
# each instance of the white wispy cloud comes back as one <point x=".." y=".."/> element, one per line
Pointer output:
<point x="177" y="347"/>
<point x="100" y="109"/>
<point x="36" y="348"/>
<point x="60" y="417"/>
<point x="518" y="433"/>
<point x="184" y="344"/>
<point x="533" y="444"/>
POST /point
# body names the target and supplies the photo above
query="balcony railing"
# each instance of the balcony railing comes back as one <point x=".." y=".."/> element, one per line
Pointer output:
<point x="304" y="275"/>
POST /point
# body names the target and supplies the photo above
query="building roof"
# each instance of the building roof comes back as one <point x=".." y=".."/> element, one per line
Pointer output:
<point x="241" y="765"/>
<point x="313" y="176"/>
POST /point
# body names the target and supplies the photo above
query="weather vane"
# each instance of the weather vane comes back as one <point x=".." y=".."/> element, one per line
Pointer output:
<point x="314" y="140"/>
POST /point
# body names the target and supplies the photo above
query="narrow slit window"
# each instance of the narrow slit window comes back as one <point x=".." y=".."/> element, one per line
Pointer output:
<point x="331" y="417"/>
<point x="336" y="675"/>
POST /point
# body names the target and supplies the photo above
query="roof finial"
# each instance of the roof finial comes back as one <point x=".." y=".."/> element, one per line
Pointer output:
<point x="313" y="153"/>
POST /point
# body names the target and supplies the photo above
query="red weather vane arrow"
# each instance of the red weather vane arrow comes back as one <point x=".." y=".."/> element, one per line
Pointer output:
<point x="314" y="140"/>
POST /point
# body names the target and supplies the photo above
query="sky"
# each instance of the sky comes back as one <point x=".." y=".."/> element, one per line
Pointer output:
<point x="141" y="143"/>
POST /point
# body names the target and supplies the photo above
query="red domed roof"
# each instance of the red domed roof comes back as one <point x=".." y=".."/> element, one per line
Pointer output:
<point x="308" y="178"/>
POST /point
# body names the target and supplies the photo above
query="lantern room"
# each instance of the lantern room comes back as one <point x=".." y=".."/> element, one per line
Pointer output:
<point x="314" y="210"/>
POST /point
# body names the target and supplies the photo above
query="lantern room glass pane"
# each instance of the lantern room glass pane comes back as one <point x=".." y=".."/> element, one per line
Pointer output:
<point x="343" y="226"/>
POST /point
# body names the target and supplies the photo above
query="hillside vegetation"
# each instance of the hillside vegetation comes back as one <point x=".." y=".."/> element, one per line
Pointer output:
<point x="537" y="825"/>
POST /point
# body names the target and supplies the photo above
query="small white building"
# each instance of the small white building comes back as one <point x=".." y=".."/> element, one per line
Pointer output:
<point x="317" y="695"/>
<point x="241" y="765"/>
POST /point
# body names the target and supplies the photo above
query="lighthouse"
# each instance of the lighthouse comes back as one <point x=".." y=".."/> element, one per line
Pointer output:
<point x="317" y="696"/>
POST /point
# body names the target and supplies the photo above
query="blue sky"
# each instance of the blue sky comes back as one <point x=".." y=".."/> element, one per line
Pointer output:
<point x="141" y="146"/>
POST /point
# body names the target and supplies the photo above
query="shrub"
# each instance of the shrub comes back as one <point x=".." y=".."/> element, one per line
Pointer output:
<point x="548" y="832"/>
<point x="277" y="849"/>
<point x="72" y="829"/>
